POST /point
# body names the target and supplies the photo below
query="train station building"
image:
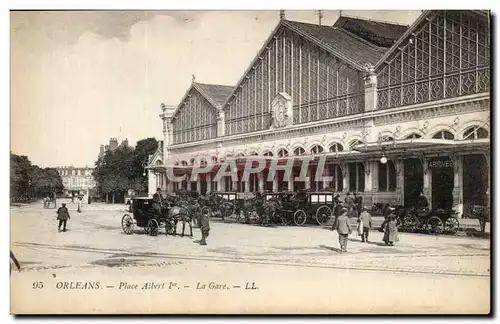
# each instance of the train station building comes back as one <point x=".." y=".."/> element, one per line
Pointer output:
<point x="396" y="110"/>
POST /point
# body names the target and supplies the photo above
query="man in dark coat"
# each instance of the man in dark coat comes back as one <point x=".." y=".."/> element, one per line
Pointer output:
<point x="62" y="217"/>
<point x="343" y="227"/>
<point x="157" y="202"/>
<point x="205" y="228"/>
<point x="422" y="201"/>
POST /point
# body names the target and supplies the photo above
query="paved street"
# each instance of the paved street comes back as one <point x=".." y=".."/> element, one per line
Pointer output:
<point x="297" y="269"/>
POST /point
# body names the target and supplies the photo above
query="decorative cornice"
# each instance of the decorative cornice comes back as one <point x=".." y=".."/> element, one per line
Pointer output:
<point x="439" y="108"/>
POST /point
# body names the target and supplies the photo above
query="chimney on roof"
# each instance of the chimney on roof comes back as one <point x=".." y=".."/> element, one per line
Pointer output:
<point x="113" y="143"/>
<point x="282" y="14"/>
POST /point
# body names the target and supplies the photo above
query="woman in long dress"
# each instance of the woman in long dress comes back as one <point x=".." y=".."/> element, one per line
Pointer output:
<point x="79" y="202"/>
<point x="390" y="230"/>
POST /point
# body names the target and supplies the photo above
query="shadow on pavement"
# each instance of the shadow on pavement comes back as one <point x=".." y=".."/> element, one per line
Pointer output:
<point x="331" y="248"/>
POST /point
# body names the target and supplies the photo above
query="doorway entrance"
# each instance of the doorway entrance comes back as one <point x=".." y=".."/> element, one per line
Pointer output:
<point x="475" y="185"/>
<point x="442" y="183"/>
<point x="413" y="181"/>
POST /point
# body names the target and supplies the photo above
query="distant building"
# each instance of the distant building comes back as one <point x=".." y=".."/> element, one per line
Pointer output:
<point x="113" y="145"/>
<point x="76" y="180"/>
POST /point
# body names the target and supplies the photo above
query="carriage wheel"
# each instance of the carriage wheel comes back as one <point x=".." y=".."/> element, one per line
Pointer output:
<point x="410" y="224"/>
<point x="323" y="214"/>
<point x="451" y="225"/>
<point x="153" y="227"/>
<point x="127" y="224"/>
<point x="435" y="225"/>
<point x="299" y="217"/>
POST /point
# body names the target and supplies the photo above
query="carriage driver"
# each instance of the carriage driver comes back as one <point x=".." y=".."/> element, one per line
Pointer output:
<point x="157" y="201"/>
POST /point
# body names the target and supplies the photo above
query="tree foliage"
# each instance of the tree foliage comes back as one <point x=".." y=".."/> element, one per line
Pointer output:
<point x="122" y="169"/>
<point x="28" y="180"/>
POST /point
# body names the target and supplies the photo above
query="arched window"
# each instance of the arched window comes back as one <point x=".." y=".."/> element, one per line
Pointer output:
<point x="282" y="153"/>
<point x="159" y="162"/>
<point x="443" y="135"/>
<point x="475" y="133"/>
<point x="386" y="138"/>
<point x="354" y="143"/>
<point x="214" y="159"/>
<point x="413" y="136"/>
<point x="184" y="163"/>
<point x="191" y="162"/>
<point x="253" y="153"/>
<point x="316" y="149"/>
<point x="336" y="147"/>
<point x="299" y="151"/>
<point x="268" y="153"/>
<point x="386" y="176"/>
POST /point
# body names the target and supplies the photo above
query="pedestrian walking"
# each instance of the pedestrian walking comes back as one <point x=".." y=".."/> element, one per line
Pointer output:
<point x="205" y="228"/>
<point x="46" y="202"/>
<point x="62" y="217"/>
<point x="391" y="230"/>
<point x="366" y="221"/>
<point x="343" y="227"/>
<point x="79" y="203"/>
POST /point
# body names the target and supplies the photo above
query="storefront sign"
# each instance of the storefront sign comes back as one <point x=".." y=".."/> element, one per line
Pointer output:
<point x="441" y="164"/>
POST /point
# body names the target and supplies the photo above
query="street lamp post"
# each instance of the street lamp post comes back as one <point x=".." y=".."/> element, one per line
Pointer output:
<point x="144" y="174"/>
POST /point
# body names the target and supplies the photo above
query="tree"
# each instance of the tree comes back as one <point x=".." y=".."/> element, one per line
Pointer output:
<point x="143" y="150"/>
<point x="27" y="180"/>
<point x="122" y="169"/>
<point x="114" y="172"/>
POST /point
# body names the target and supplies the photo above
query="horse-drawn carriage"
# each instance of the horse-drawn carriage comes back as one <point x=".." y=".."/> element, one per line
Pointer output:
<point x="437" y="221"/>
<point x="279" y="207"/>
<point x="50" y="201"/>
<point x="219" y="204"/>
<point x="151" y="215"/>
<point x="317" y="205"/>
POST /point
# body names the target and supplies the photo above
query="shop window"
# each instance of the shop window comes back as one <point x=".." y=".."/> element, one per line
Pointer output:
<point x="253" y="182"/>
<point x="386" y="176"/>
<point x="316" y="149"/>
<point x="299" y="151"/>
<point x="334" y="171"/>
<point x="336" y="147"/>
<point x="228" y="183"/>
<point x="475" y="133"/>
<point x="356" y="177"/>
<point x="444" y="135"/>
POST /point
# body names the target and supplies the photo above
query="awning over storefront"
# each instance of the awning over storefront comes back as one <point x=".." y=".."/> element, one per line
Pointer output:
<point x="422" y="145"/>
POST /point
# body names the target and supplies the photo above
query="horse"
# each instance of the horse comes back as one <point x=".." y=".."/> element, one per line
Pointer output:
<point x="176" y="214"/>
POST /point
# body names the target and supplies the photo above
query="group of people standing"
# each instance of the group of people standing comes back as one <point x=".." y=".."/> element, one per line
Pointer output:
<point x="353" y="207"/>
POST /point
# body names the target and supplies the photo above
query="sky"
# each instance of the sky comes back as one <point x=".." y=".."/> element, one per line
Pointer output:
<point x="79" y="78"/>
